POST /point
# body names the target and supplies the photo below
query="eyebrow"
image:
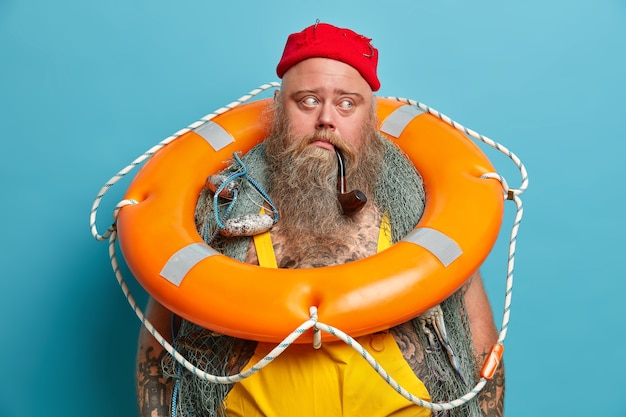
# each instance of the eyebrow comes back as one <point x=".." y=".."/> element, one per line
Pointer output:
<point x="337" y="91"/>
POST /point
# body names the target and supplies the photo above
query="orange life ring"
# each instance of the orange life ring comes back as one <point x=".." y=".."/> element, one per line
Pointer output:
<point x="167" y="256"/>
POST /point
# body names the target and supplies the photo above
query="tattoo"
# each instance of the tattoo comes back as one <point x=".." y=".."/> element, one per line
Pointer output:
<point x="241" y="353"/>
<point x="491" y="397"/>
<point x="317" y="255"/>
<point x="465" y="286"/>
<point x="153" y="389"/>
<point x="355" y="241"/>
<point x="412" y="350"/>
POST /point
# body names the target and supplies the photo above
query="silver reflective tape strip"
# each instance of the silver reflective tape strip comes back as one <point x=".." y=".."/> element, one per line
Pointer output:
<point x="397" y="121"/>
<point x="215" y="135"/>
<point x="179" y="264"/>
<point x="437" y="243"/>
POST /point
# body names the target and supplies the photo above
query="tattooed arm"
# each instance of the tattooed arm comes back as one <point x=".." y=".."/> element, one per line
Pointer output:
<point x="484" y="336"/>
<point x="154" y="391"/>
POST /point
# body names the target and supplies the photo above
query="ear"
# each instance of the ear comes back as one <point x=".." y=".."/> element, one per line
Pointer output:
<point x="276" y="92"/>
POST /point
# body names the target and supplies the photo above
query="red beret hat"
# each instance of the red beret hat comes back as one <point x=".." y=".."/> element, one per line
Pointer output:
<point x="322" y="40"/>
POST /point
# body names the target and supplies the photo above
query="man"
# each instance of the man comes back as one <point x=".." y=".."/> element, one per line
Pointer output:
<point x="325" y="103"/>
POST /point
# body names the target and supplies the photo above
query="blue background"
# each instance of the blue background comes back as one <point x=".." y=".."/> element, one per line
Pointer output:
<point x="85" y="87"/>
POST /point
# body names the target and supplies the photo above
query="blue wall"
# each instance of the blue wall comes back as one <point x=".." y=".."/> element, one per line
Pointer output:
<point x="85" y="87"/>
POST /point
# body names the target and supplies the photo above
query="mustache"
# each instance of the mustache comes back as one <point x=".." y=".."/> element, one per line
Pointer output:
<point x="347" y="149"/>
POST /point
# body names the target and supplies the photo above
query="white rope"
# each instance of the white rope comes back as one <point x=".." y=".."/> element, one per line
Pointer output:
<point x="312" y="322"/>
<point x="510" y="267"/>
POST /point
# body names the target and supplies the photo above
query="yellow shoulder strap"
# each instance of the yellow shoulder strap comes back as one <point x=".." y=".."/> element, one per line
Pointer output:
<point x="384" y="234"/>
<point x="265" y="249"/>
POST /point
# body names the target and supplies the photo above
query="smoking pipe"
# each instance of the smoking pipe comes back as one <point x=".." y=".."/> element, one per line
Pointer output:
<point x="353" y="201"/>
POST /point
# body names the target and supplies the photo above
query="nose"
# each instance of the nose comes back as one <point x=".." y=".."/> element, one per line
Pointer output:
<point x="325" y="120"/>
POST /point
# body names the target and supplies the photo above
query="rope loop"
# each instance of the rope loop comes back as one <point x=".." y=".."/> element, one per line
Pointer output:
<point x="317" y="334"/>
<point x="123" y="203"/>
<point x="508" y="193"/>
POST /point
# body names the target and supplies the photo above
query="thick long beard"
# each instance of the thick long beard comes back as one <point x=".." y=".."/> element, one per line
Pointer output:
<point x="303" y="180"/>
